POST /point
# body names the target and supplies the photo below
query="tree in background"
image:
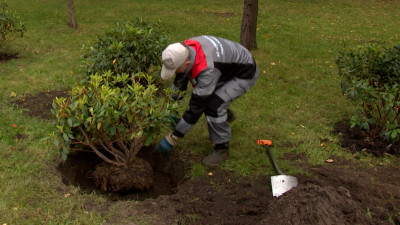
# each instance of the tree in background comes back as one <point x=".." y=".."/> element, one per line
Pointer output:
<point x="249" y="24"/>
<point x="71" y="14"/>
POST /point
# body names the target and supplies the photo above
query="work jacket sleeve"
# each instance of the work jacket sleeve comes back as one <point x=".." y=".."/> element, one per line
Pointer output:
<point x="206" y="83"/>
<point x="179" y="86"/>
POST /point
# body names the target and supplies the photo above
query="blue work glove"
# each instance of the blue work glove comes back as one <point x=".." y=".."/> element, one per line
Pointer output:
<point x="167" y="144"/>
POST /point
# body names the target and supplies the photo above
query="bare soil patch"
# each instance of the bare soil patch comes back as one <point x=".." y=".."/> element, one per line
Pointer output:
<point x="357" y="140"/>
<point x="39" y="105"/>
<point x="342" y="192"/>
<point x="7" y="56"/>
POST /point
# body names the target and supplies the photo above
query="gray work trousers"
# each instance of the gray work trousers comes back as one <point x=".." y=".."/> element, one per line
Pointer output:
<point x="218" y="128"/>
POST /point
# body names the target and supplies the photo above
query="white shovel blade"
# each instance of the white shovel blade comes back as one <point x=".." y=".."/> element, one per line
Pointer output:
<point x="282" y="183"/>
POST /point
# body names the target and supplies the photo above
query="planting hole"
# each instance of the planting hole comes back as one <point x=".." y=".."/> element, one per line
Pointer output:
<point x="168" y="172"/>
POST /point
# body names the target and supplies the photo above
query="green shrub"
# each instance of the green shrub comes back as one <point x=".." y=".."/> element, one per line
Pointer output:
<point x="10" y="26"/>
<point x="371" y="80"/>
<point x="130" y="47"/>
<point x="114" y="121"/>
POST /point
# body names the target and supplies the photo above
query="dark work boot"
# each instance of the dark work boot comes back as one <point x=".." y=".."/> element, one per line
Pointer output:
<point x="231" y="116"/>
<point x="220" y="153"/>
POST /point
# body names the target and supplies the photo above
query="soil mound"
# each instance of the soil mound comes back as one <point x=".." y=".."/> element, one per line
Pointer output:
<point x="335" y="195"/>
<point x="313" y="204"/>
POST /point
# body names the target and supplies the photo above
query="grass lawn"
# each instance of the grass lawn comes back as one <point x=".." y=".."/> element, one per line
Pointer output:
<point x="296" y="101"/>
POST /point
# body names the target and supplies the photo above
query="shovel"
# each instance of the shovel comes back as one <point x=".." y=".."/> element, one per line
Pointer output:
<point x="282" y="182"/>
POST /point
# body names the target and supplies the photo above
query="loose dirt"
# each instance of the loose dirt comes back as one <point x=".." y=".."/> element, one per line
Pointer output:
<point x="341" y="192"/>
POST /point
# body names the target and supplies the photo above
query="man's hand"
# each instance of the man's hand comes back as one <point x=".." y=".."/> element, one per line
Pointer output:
<point x="167" y="144"/>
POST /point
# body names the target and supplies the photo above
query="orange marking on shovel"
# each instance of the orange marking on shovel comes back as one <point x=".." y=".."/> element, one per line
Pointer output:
<point x="264" y="142"/>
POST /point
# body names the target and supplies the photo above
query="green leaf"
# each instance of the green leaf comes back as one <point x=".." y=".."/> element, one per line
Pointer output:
<point x="56" y="142"/>
<point x="148" y="141"/>
<point x="65" y="136"/>
<point x="129" y="116"/>
<point x="393" y="135"/>
<point x="112" y="130"/>
<point x="69" y="122"/>
<point x="64" y="153"/>
<point x="64" y="156"/>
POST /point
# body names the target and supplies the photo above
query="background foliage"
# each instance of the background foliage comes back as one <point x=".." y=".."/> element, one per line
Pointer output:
<point x="11" y="26"/>
<point x="129" y="47"/>
<point x="371" y="80"/>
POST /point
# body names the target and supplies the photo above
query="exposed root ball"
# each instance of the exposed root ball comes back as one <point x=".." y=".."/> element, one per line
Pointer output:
<point x="111" y="178"/>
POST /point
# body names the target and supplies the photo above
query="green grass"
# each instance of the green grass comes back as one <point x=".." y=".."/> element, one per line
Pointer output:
<point x="295" y="102"/>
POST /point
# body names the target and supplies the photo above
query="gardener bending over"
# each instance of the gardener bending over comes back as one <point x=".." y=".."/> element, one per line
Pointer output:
<point x="220" y="71"/>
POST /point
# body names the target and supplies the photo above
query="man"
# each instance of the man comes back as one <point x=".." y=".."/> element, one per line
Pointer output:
<point x="220" y="71"/>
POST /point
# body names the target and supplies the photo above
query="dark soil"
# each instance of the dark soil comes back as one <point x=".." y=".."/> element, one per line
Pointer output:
<point x="111" y="178"/>
<point x="356" y="140"/>
<point x="341" y="192"/>
<point x="168" y="173"/>
<point x="39" y="105"/>
<point x="7" y="56"/>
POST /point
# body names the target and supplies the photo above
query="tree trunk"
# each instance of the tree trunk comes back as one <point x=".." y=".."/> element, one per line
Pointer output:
<point x="71" y="14"/>
<point x="249" y="24"/>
